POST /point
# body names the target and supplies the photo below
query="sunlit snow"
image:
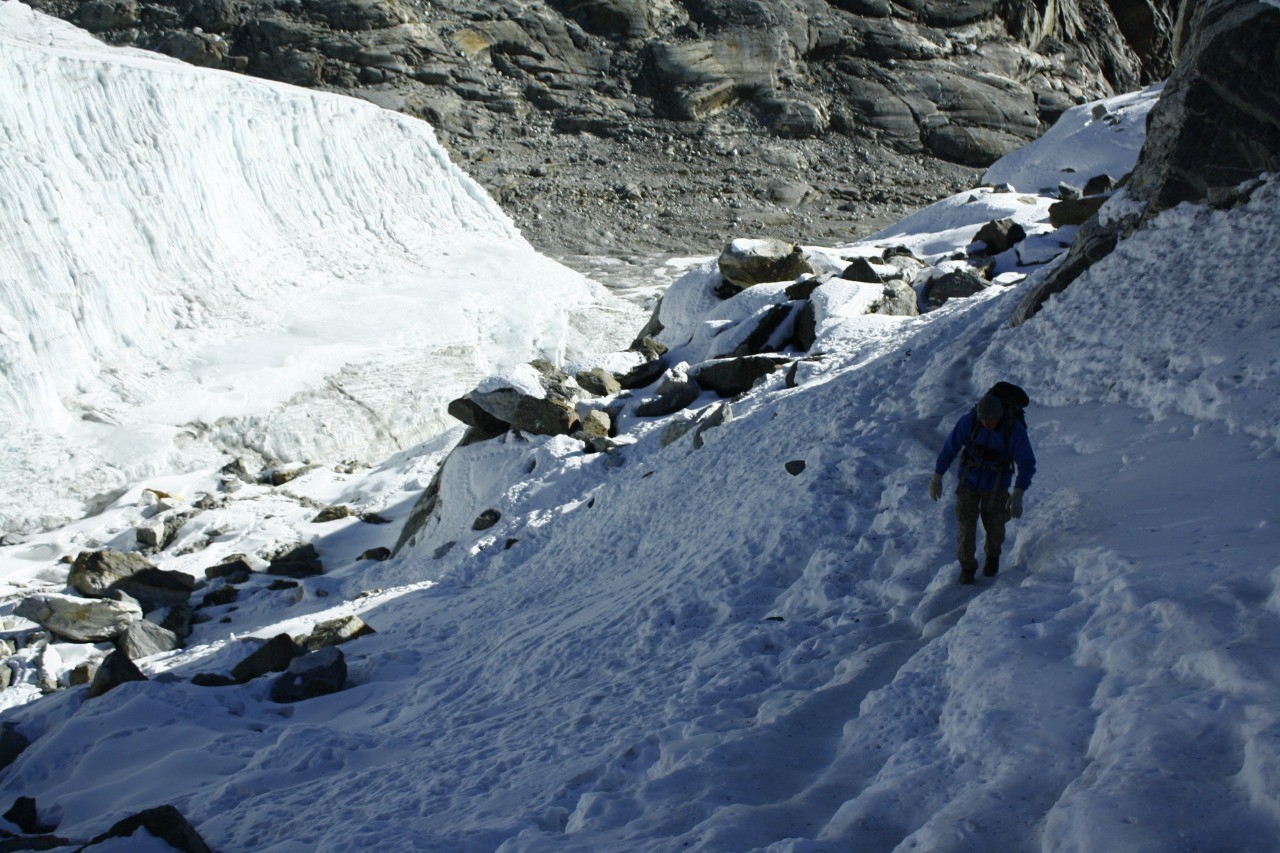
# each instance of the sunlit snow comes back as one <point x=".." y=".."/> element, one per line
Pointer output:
<point x="686" y="644"/>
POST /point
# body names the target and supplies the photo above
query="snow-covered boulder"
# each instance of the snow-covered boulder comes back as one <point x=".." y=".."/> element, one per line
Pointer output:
<point x="745" y="263"/>
<point x="311" y="675"/>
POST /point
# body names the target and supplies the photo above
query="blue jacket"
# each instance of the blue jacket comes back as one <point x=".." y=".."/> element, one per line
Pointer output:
<point x="989" y="446"/>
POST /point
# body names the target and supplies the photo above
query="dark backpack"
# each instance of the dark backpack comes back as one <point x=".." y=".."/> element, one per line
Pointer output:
<point x="1015" y="402"/>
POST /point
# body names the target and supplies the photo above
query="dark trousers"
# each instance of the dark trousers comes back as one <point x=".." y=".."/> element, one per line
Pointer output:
<point x="992" y="508"/>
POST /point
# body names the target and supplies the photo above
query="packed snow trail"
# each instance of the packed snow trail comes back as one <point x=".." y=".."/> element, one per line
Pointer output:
<point x="199" y="263"/>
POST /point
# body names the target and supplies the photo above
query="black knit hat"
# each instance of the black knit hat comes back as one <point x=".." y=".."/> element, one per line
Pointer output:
<point x="990" y="408"/>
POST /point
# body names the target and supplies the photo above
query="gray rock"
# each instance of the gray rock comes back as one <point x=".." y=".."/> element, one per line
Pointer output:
<point x="1099" y="185"/>
<point x="81" y="620"/>
<point x="642" y="375"/>
<point x="116" y="669"/>
<point x="470" y="413"/>
<point x="956" y="284"/>
<point x="732" y="376"/>
<point x="316" y="674"/>
<point x="1000" y="235"/>
<point x="158" y="533"/>
<point x="332" y="513"/>
<point x="745" y="263"/>
<point x="156" y="588"/>
<point x="795" y="467"/>
<point x="486" y="519"/>
<point x="94" y="572"/>
<point x="236" y="569"/>
<point x="178" y="620"/>
<point x="674" y="392"/>
<point x="599" y="382"/>
<point x="296" y="561"/>
<point x="768" y="331"/>
<point x="376" y="554"/>
<point x="860" y="269"/>
<point x="1074" y="211"/>
<point x="143" y="639"/>
<point x="335" y="632"/>
<point x="897" y="300"/>
<point x="272" y="656"/>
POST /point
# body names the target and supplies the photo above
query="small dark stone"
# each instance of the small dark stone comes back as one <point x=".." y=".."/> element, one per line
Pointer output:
<point x="642" y="375"/>
<point x="795" y="467"/>
<point x="1099" y="184"/>
<point x="486" y="519"/>
<point x="277" y="585"/>
<point x="803" y="288"/>
<point x="1074" y="211"/>
<point x="220" y="596"/>
<point x="510" y="544"/>
<point x="860" y="269"/>
<point x="376" y="554"/>
<point x="373" y="518"/>
<point x="332" y="513"/>
<point x="335" y="632"/>
<point x="212" y="679"/>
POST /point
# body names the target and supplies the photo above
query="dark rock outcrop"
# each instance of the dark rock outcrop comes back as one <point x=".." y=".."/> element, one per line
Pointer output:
<point x="956" y="284"/>
<point x="732" y="376"/>
<point x="12" y="744"/>
<point x="1213" y="129"/>
<point x="296" y="561"/>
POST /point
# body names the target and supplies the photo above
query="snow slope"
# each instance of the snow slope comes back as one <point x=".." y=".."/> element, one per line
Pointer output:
<point x="198" y="263"/>
<point x="674" y="647"/>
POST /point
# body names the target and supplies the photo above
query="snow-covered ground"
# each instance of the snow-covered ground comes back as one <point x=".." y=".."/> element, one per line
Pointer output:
<point x="678" y="647"/>
<point x="199" y="263"/>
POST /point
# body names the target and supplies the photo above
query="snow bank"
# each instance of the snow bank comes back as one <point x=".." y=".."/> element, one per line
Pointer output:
<point x="199" y="262"/>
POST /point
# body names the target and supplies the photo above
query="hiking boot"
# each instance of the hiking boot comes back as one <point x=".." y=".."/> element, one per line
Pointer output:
<point x="966" y="575"/>
<point x="990" y="567"/>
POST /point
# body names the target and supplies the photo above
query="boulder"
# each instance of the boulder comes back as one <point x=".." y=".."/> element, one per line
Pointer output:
<point x="116" y="669"/>
<point x="165" y="823"/>
<point x="236" y="569"/>
<point x="898" y="300"/>
<point x="732" y="376"/>
<point x="316" y="674"/>
<point x="335" y="632"/>
<point x="470" y="413"/>
<point x="598" y="381"/>
<point x="674" y="392"/>
<point x="536" y="398"/>
<point x="861" y="269"/>
<point x="99" y="16"/>
<point x="178" y="620"/>
<point x="768" y="323"/>
<point x="376" y="554"/>
<point x="272" y="656"/>
<point x="642" y="375"/>
<point x="332" y="513"/>
<point x="744" y="262"/>
<point x="156" y="588"/>
<point x="1099" y="185"/>
<point x="955" y="284"/>
<point x="158" y="533"/>
<point x="94" y="572"/>
<point x="1000" y="235"/>
<point x="81" y="620"/>
<point x="486" y="519"/>
<point x="1074" y="211"/>
<point x="296" y="561"/>
<point x="24" y="815"/>
<point x="144" y="638"/>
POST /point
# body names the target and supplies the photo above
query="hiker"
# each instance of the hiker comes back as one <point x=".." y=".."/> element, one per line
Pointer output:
<point x="990" y="439"/>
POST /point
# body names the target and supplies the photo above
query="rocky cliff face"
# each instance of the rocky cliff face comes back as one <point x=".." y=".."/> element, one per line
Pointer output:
<point x="603" y="125"/>
<point x="1214" y="131"/>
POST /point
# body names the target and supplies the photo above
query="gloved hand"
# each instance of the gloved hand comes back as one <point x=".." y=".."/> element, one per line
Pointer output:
<point x="935" y="487"/>
<point x="1015" y="504"/>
